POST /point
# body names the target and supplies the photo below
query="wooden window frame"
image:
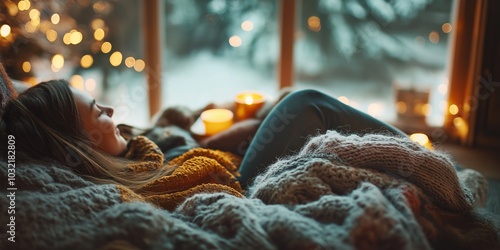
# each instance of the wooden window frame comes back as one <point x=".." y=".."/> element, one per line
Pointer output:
<point x="151" y="13"/>
<point x="466" y="64"/>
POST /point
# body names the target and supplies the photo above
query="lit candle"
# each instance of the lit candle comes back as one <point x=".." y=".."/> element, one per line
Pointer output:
<point x="421" y="139"/>
<point x="247" y="104"/>
<point x="216" y="120"/>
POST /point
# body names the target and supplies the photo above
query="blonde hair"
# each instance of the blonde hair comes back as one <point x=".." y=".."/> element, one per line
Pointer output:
<point x="46" y="123"/>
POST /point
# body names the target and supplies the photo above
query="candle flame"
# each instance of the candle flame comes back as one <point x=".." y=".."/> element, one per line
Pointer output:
<point x="248" y="100"/>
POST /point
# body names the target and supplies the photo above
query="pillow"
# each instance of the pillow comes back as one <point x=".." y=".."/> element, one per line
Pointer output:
<point x="235" y="139"/>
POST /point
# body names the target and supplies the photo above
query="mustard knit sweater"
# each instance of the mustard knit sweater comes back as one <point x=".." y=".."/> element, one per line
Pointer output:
<point x="196" y="171"/>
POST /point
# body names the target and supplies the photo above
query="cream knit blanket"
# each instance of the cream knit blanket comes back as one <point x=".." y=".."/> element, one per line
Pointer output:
<point x="376" y="159"/>
<point x="338" y="192"/>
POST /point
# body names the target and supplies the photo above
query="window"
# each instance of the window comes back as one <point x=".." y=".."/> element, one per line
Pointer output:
<point x="216" y="49"/>
<point x="366" y="52"/>
<point x="362" y="52"/>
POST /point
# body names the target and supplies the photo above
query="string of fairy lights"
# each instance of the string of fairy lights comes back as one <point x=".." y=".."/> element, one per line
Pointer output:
<point x="58" y="33"/>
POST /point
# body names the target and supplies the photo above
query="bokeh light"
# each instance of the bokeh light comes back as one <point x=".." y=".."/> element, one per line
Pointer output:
<point x="139" y="65"/>
<point x="434" y="37"/>
<point x="106" y="47"/>
<point x="58" y="61"/>
<point x="446" y="27"/>
<point x="247" y="25"/>
<point x="99" y="34"/>
<point x="5" y="30"/>
<point x="75" y="37"/>
<point x="235" y="41"/>
<point x="116" y="58"/>
<point x="55" y="18"/>
<point x="26" y="66"/>
<point x="51" y="35"/>
<point x="77" y="82"/>
<point x="129" y="62"/>
<point x="97" y="23"/>
<point x="453" y="109"/>
<point x="314" y="23"/>
<point x="86" y="61"/>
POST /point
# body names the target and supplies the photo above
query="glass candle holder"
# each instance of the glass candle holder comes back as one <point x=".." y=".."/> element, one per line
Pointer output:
<point x="216" y="120"/>
<point x="247" y="104"/>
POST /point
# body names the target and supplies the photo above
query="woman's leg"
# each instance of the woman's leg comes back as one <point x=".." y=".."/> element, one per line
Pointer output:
<point x="300" y="115"/>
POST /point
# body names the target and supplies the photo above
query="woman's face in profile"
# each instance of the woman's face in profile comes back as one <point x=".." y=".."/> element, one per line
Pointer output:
<point x="96" y="121"/>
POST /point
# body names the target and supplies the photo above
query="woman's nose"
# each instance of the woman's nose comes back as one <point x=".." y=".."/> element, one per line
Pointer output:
<point x="109" y="110"/>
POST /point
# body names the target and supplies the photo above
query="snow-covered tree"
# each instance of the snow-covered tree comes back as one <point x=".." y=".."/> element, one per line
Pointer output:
<point x="345" y="32"/>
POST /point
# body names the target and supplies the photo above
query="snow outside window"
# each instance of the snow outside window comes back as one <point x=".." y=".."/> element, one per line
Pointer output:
<point x="357" y="50"/>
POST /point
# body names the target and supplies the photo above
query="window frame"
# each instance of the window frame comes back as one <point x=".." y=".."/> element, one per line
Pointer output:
<point x="465" y="64"/>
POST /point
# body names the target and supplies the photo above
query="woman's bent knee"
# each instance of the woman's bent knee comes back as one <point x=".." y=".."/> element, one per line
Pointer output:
<point x="306" y="96"/>
<point x="304" y="100"/>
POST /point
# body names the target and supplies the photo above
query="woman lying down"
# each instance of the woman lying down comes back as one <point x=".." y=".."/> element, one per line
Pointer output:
<point x="309" y="145"/>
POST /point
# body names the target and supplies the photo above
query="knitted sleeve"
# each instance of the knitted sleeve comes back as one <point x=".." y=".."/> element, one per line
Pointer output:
<point x="146" y="153"/>
<point x="196" y="167"/>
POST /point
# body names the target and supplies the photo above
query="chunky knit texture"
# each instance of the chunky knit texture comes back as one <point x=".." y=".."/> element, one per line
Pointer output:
<point x="430" y="171"/>
<point x="145" y="153"/>
<point x="321" y="198"/>
<point x="197" y="171"/>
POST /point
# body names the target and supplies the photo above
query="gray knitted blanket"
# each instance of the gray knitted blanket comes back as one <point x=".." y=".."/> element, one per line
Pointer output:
<point x="338" y="192"/>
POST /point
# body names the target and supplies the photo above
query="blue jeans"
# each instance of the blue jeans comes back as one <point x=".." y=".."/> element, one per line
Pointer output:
<point x="298" y="116"/>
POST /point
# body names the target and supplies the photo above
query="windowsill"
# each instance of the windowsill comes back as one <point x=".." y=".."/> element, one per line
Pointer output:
<point x="484" y="160"/>
<point x="416" y="127"/>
